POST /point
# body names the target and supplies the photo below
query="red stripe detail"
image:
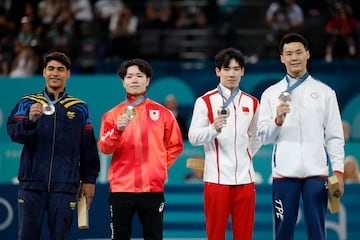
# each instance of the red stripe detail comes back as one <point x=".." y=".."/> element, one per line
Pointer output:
<point x="206" y="99"/>
<point x="88" y="127"/>
<point x="20" y="117"/>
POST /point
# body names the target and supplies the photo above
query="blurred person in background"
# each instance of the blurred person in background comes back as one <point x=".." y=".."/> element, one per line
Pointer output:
<point x="190" y="16"/>
<point x="31" y="13"/>
<point x="341" y="29"/>
<point x="229" y="11"/>
<point x="48" y="11"/>
<point x="26" y="33"/>
<point x="122" y="34"/>
<point x="172" y="104"/>
<point x="351" y="170"/>
<point x="347" y="130"/>
<point x="61" y="34"/>
<point x="26" y="62"/>
<point x="26" y="55"/>
<point x="83" y="14"/>
<point x="282" y="16"/>
<point x="7" y="36"/>
<point x="104" y="10"/>
<point x="159" y="14"/>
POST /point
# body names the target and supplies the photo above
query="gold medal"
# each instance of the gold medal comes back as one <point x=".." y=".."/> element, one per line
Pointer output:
<point x="130" y="111"/>
<point x="48" y="109"/>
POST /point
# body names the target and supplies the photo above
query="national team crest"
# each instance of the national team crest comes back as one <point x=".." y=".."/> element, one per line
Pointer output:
<point x="154" y="114"/>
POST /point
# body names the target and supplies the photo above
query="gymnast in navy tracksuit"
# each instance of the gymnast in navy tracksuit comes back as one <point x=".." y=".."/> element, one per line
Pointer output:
<point x="59" y="152"/>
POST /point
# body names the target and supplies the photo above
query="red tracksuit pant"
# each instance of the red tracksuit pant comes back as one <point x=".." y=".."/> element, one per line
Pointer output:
<point x="223" y="201"/>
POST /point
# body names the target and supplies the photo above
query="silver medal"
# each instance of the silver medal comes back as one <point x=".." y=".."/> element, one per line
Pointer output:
<point x="285" y="97"/>
<point x="48" y="109"/>
<point x="223" y="111"/>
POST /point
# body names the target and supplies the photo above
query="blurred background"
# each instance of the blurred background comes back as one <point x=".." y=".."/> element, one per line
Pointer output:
<point x="180" y="40"/>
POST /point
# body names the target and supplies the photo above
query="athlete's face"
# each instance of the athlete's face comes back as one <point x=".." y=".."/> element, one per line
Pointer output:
<point x="135" y="82"/>
<point x="56" y="75"/>
<point x="295" y="58"/>
<point x="230" y="76"/>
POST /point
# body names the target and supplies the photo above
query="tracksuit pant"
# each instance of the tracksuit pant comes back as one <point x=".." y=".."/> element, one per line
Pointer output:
<point x="32" y="206"/>
<point x="286" y="198"/>
<point x="223" y="201"/>
<point x="149" y="207"/>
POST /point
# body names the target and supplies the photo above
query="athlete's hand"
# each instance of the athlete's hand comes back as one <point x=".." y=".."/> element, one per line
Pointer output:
<point x="36" y="110"/>
<point x="122" y="122"/>
<point x="219" y="122"/>
<point x="340" y="191"/>
<point x="281" y="111"/>
<point x="87" y="190"/>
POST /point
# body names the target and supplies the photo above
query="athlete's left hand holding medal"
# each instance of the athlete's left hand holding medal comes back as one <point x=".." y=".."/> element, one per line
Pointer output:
<point x="125" y="118"/>
<point x="36" y="110"/>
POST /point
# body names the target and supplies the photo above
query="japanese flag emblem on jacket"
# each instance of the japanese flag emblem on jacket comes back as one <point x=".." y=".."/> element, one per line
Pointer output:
<point x="154" y="114"/>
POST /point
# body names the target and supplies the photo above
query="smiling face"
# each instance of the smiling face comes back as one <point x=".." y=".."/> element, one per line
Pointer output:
<point x="56" y="74"/>
<point x="295" y="57"/>
<point x="230" y="76"/>
<point x="135" y="82"/>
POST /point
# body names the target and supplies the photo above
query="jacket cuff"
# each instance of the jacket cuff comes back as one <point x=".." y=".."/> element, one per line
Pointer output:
<point x="28" y="124"/>
<point x="277" y="124"/>
<point x="89" y="179"/>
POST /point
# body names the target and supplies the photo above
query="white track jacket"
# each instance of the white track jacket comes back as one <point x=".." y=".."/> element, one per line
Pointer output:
<point x="311" y="133"/>
<point x="228" y="155"/>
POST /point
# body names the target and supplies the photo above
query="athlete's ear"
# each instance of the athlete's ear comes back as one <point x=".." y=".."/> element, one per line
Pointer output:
<point x="217" y="71"/>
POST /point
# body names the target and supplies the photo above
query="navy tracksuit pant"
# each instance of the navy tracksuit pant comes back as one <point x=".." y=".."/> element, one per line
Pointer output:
<point x="286" y="199"/>
<point x="32" y="206"/>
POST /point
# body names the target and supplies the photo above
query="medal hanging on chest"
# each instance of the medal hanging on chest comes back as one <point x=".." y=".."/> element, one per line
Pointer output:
<point x="224" y="110"/>
<point x="49" y="106"/>
<point x="130" y="107"/>
<point x="130" y="111"/>
<point x="48" y="109"/>
<point x="285" y="97"/>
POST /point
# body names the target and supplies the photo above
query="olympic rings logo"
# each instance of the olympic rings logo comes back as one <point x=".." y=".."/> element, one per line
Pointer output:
<point x="10" y="214"/>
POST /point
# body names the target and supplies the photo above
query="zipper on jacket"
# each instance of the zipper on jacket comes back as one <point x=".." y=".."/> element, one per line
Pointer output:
<point x="52" y="153"/>
<point x="142" y="153"/>
<point x="235" y="140"/>
<point x="301" y="138"/>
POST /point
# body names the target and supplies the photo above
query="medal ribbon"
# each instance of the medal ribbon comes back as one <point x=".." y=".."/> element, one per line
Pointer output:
<point x="229" y="100"/>
<point x="53" y="102"/>
<point x="136" y="102"/>
<point x="296" y="84"/>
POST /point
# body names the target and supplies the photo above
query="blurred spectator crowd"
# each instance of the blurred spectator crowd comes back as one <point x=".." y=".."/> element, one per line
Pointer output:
<point x="105" y="31"/>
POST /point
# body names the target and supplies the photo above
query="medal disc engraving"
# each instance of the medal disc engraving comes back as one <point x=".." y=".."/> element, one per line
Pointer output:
<point x="130" y="111"/>
<point x="223" y="111"/>
<point x="48" y="109"/>
<point x="285" y="97"/>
